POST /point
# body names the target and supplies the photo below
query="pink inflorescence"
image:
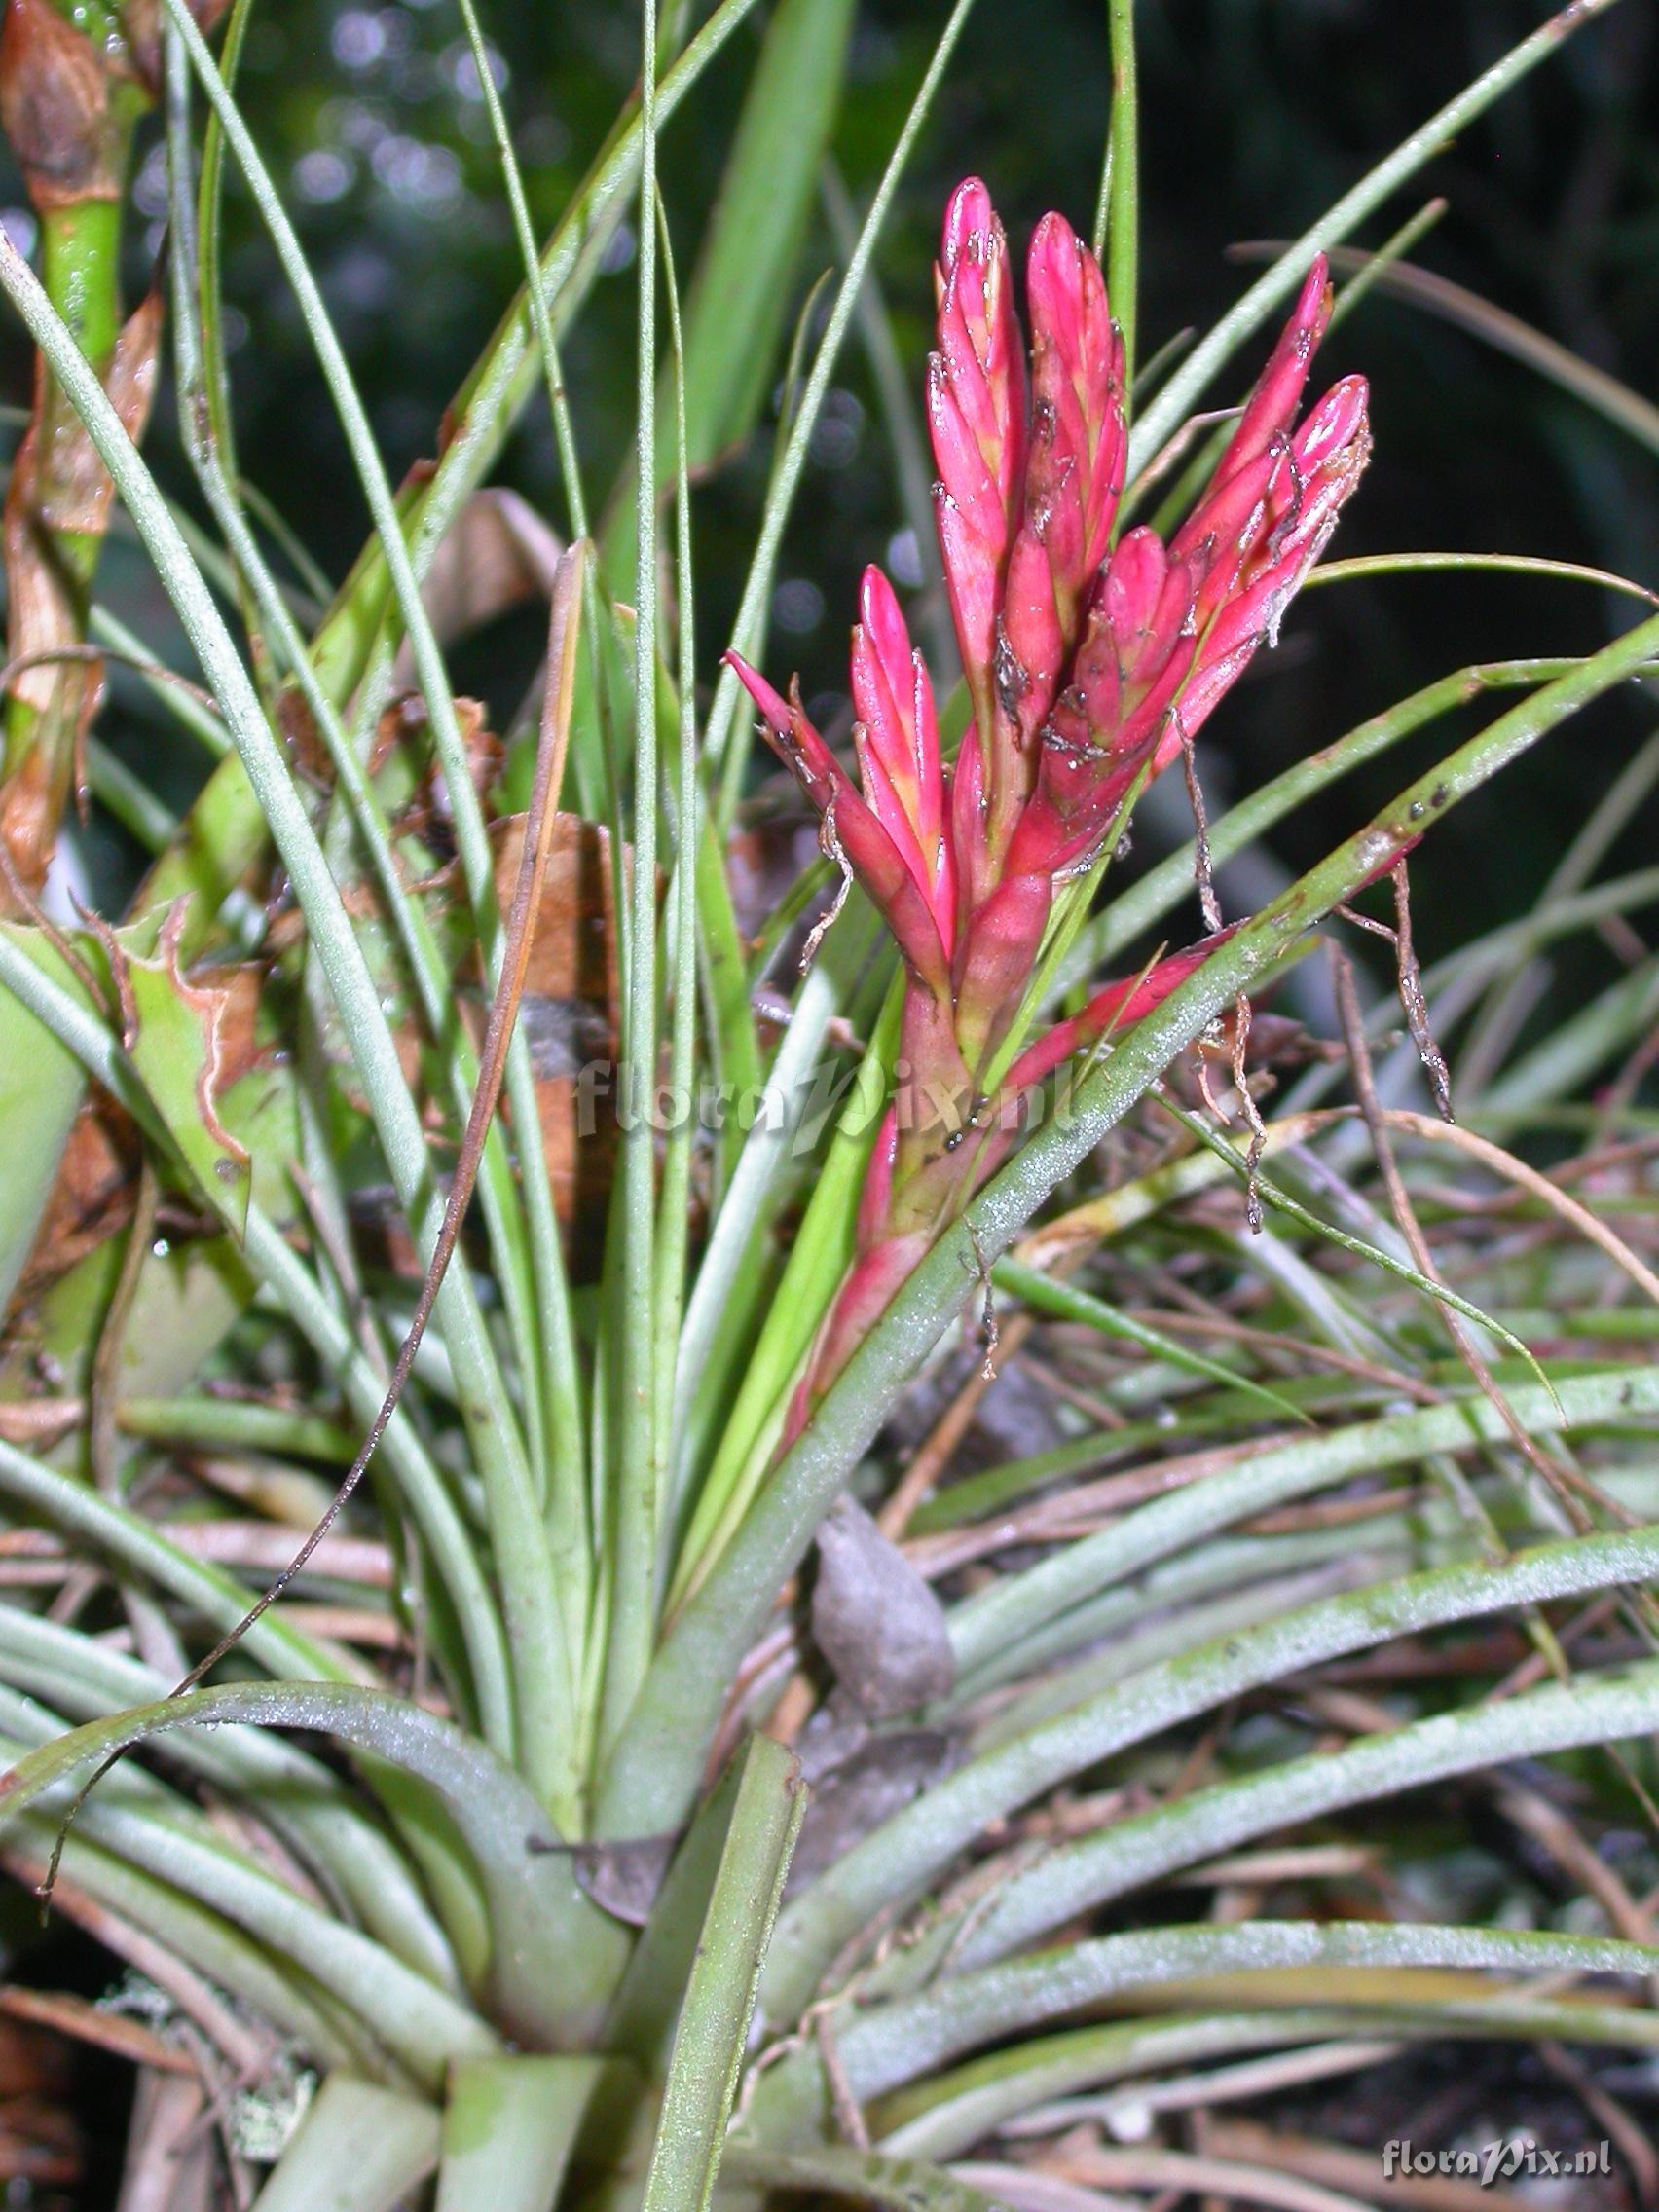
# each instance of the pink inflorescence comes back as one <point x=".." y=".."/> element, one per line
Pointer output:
<point x="1089" y="666"/>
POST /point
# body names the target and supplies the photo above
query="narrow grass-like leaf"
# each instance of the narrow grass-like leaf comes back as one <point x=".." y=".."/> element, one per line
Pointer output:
<point x="526" y="1571"/>
<point x="719" y="1996"/>
<point x="1508" y="1001"/>
<point x="521" y="1544"/>
<point x="1149" y="1847"/>
<point x="730" y="1251"/>
<point x="101" y="1889"/>
<point x="489" y="398"/>
<point x="420" y="2026"/>
<point x="1504" y="564"/>
<point x="1614" y="401"/>
<point x="1118" y="224"/>
<point x="303" y="1801"/>
<point x="819" y="1254"/>
<point x="98" y="1522"/>
<point x="726" y="734"/>
<point x="1017" y="1604"/>
<point x="896" y="2042"/>
<point x="645" y="2013"/>
<point x="631" y="1508"/>
<point x="944" y="2116"/>
<point x="1613" y="1022"/>
<point x="742" y="285"/>
<point x="1271" y="1195"/>
<point x="1145" y="903"/>
<point x="1044" y="1295"/>
<point x="272" y="1257"/>
<point x="674" y="1205"/>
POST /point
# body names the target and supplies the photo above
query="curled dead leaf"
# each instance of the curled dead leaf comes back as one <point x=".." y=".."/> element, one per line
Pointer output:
<point x="875" y="1618"/>
<point x="570" y="1009"/>
<point x="91" y="1198"/>
<point x="623" y="1879"/>
<point x="90" y="1201"/>
<point x="858" y="1778"/>
<point x="59" y="491"/>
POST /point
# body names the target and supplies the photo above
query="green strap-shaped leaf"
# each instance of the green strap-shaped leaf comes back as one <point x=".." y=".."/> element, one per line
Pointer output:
<point x="719" y="1998"/>
<point x="887" y="2045"/>
<point x="556" y="1957"/>
<point x="508" y="2129"/>
<point x="360" y="2149"/>
<point x="1044" y="1295"/>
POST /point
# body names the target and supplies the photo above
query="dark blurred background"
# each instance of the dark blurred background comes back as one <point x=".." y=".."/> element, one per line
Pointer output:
<point x="1256" y="114"/>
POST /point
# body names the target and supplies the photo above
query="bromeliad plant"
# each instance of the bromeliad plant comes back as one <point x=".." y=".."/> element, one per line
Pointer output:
<point x="1090" y="660"/>
<point x="524" y="1928"/>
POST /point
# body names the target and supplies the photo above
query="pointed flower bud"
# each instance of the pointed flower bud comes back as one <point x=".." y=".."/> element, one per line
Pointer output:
<point x="1074" y="471"/>
<point x="896" y="737"/>
<point x="976" y="417"/>
<point x="851" y="831"/>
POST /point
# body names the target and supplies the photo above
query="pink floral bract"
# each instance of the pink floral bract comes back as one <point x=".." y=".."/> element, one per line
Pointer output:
<point x="1090" y="664"/>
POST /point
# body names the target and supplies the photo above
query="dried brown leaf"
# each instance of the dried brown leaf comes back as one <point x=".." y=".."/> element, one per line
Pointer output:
<point x="877" y="1623"/>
